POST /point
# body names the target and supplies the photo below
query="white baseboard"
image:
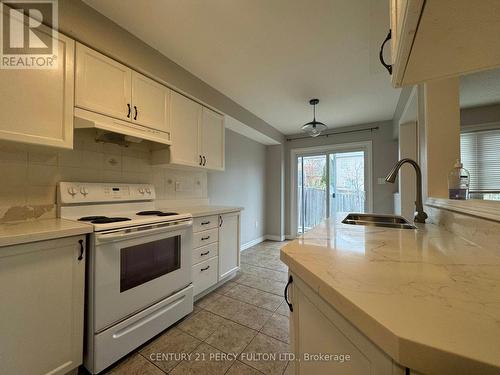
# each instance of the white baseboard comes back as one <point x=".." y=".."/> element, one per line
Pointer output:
<point x="252" y="243"/>
<point x="290" y="237"/>
<point x="272" y="237"/>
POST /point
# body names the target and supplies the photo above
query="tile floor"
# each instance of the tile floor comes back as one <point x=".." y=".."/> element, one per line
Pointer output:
<point x="233" y="330"/>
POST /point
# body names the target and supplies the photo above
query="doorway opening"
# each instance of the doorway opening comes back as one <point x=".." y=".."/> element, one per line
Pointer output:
<point x="330" y="182"/>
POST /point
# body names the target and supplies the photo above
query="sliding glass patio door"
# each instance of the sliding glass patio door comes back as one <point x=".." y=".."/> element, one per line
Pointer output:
<point x="329" y="183"/>
<point x="347" y="182"/>
<point x="312" y="191"/>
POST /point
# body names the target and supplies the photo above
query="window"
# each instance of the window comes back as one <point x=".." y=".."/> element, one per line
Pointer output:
<point x="480" y="154"/>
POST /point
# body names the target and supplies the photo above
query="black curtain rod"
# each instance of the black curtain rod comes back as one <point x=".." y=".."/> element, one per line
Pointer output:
<point x="327" y="134"/>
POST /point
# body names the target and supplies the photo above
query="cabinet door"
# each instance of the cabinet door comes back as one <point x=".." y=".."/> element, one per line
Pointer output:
<point x="185" y="121"/>
<point x="316" y="334"/>
<point x="37" y="104"/>
<point x="102" y="84"/>
<point x="229" y="244"/>
<point x="151" y="103"/>
<point x="204" y="275"/>
<point x="42" y="323"/>
<point x="405" y="15"/>
<point x="316" y="327"/>
<point x="212" y="139"/>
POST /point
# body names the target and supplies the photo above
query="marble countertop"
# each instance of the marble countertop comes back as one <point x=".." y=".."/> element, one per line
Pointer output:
<point x="16" y="233"/>
<point x="198" y="211"/>
<point x="428" y="298"/>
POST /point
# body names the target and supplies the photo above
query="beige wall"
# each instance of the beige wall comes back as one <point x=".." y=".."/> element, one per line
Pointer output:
<point x="242" y="184"/>
<point x="385" y="153"/>
<point x="442" y="134"/>
<point x="84" y="24"/>
<point x="30" y="174"/>
<point x="275" y="192"/>
<point x="488" y="114"/>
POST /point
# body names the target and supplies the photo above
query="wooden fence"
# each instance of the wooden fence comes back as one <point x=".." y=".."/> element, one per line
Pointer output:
<point x="315" y="205"/>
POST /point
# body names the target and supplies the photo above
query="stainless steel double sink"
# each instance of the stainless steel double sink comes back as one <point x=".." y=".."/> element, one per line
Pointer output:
<point x="378" y="220"/>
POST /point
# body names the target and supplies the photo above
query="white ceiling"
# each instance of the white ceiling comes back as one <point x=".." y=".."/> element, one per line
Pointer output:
<point x="272" y="56"/>
<point x="478" y="89"/>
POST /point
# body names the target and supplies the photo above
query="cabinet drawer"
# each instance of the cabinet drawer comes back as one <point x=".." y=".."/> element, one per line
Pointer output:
<point x="206" y="237"/>
<point x="205" y="222"/>
<point x="204" y="275"/>
<point x="205" y="252"/>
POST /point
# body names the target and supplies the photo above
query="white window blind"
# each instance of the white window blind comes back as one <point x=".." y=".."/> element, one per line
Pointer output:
<point x="480" y="154"/>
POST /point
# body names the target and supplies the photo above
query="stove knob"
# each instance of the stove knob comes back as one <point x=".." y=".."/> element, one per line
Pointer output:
<point x="72" y="191"/>
<point x="84" y="191"/>
<point x="148" y="190"/>
<point x="141" y="190"/>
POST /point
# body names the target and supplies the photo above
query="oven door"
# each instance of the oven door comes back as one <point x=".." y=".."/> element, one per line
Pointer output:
<point x="136" y="267"/>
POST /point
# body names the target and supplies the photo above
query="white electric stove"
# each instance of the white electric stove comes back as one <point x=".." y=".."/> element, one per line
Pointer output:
<point x="139" y="266"/>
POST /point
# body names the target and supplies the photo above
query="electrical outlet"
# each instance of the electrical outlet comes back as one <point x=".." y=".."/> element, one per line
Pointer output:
<point x="184" y="185"/>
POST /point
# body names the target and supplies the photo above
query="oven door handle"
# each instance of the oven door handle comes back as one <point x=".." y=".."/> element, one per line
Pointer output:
<point x="138" y="232"/>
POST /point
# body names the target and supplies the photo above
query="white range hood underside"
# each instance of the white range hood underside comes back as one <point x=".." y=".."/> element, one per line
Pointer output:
<point x="90" y="120"/>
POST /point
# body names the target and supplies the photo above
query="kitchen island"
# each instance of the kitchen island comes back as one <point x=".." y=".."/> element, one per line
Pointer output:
<point x="394" y="299"/>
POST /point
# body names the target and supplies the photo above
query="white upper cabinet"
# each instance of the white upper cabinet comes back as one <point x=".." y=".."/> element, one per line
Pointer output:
<point x="106" y="87"/>
<point x="197" y="136"/>
<point x="185" y="123"/>
<point x="102" y="84"/>
<point x="212" y="139"/>
<point x="37" y="104"/>
<point x="151" y="103"/>
<point x="442" y="39"/>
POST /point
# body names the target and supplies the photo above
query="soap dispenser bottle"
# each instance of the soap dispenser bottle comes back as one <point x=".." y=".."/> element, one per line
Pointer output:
<point x="458" y="182"/>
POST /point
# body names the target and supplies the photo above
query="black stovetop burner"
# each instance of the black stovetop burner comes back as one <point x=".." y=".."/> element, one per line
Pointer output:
<point x="156" y="213"/>
<point x="103" y="219"/>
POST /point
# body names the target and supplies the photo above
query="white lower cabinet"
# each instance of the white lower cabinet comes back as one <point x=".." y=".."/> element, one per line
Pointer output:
<point x="204" y="275"/>
<point x="229" y="243"/>
<point x="203" y="253"/>
<point x="205" y="237"/>
<point x="216" y="249"/>
<point x="316" y="327"/>
<point x="42" y="294"/>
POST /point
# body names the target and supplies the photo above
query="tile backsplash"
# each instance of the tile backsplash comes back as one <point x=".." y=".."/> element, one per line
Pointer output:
<point x="29" y="174"/>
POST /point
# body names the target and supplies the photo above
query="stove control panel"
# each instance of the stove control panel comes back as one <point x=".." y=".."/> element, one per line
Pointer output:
<point x="79" y="192"/>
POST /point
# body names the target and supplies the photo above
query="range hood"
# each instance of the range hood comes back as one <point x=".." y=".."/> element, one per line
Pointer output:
<point x="90" y="120"/>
